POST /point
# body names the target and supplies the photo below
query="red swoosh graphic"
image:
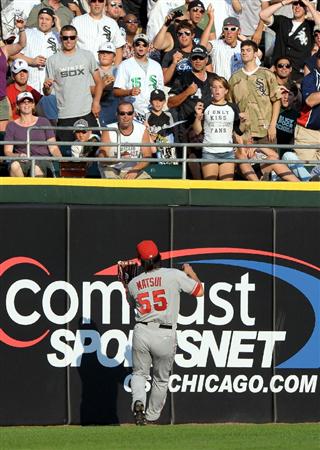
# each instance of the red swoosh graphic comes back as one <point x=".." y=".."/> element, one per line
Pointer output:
<point x="8" y="340"/>
<point x="4" y="266"/>
<point x="112" y="270"/>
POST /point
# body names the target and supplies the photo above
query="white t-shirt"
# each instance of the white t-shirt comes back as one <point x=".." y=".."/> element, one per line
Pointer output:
<point x="92" y="33"/>
<point x="131" y="74"/>
<point x="218" y="126"/>
<point x="130" y="150"/>
<point x="39" y="44"/>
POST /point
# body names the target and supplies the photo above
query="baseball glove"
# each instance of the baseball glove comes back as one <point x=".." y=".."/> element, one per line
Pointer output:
<point x="126" y="271"/>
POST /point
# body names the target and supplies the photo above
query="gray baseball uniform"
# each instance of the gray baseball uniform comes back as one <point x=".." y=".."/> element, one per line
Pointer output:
<point x="157" y="301"/>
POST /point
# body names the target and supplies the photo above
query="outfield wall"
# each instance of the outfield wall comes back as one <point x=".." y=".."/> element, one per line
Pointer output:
<point x="248" y="351"/>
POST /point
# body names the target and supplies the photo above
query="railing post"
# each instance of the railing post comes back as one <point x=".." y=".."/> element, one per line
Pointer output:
<point x="184" y="162"/>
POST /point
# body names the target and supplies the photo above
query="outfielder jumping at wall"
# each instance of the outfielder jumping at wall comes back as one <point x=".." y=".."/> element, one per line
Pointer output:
<point x="156" y="298"/>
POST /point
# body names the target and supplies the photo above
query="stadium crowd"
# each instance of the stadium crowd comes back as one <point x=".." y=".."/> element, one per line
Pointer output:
<point x="206" y="72"/>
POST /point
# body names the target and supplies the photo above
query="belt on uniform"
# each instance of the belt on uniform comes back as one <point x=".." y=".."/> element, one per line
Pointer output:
<point x="167" y="327"/>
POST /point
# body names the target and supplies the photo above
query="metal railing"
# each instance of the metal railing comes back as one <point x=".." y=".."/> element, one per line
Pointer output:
<point x="184" y="160"/>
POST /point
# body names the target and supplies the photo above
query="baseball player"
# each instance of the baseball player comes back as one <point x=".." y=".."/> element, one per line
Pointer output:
<point x="156" y="295"/>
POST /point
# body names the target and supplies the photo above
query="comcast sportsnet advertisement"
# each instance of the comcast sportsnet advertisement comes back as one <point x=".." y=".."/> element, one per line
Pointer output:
<point x="248" y="350"/>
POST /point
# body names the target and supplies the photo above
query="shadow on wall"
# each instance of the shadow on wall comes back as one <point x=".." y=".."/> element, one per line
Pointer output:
<point x="100" y="384"/>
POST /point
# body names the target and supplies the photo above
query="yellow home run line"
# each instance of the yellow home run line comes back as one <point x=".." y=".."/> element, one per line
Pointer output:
<point x="164" y="184"/>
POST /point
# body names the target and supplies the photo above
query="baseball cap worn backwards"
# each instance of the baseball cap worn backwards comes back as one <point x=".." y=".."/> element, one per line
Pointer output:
<point x="48" y="11"/>
<point x="147" y="250"/>
<point x="196" y="4"/>
<point x="231" y="21"/>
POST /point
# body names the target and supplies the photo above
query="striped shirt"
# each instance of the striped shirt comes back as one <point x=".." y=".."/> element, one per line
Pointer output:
<point x="39" y="44"/>
<point x="92" y="33"/>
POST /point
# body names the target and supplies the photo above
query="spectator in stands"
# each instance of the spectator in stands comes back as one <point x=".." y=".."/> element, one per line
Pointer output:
<point x="160" y="125"/>
<point x="256" y="92"/>
<point x="71" y="72"/>
<point x="185" y="93"/>
<point x="20" y="75"/>
<point x="219" y="123"/>
<point x="61" y="11"/>
<point x="223" y="9"/>
<point x="285" y="130"/>
<point x="310" y="63"/>
<point x="130" y="132"/>
<point x="42" y="42"/>
<point x="308" y="124"/>
<point x="167" y="38"/>
<point x="176" y="62"/>
<point x="294" y="37"/>
<point x="108" y="70"/>
<point x="17" y="131"/>
<point x="83" y="134"/>
<point x="138" y="76"/>
<point x="131" y="25"/>
<point x="95" y="28"/>
<point x="282" y="70"/>
<point x="114" y="9"/>
<point x="288" y="116"/>
<point x="6" y="52"/>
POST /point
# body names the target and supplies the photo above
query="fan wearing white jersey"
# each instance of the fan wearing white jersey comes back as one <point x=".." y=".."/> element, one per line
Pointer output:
<point x="156" y="293"/>
<point x="42" y="42"/>
<point x="95" y="28"/>
<point x="138" y="76"/>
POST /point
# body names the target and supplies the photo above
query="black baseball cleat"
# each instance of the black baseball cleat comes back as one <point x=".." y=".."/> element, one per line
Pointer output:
<point x="139" y="413"/>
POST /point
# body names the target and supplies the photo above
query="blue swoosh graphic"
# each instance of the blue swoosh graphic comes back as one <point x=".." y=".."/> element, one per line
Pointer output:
<point x="308" y="357"/>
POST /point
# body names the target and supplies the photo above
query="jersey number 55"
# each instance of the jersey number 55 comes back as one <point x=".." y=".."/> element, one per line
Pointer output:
<point x="157" y="298"/>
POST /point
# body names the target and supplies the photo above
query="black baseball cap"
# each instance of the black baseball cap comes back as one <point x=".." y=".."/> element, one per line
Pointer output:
<point x="199" y="50"/>
<point x="48" y="11"/>
<point x="196" y="4"/>
<point x="157" y="94"/>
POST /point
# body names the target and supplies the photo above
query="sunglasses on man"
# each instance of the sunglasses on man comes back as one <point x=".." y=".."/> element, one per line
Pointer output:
<point x="200" y="10"/>
<point x="283" y="66"/>
<point x="140" y="44"/>
<point x="230" y="28"/>
<point x="132" y="21"/>
<point x="125" y="113"/>
<point x="184" y="33"/>
<point x="195" y="58"/>
<point x="67" y="38"/>
<point x="96" y="1"/>
<point x="114" y="5"/>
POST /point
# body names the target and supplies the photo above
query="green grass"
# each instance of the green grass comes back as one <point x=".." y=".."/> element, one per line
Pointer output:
<point x="165" y="437"/>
